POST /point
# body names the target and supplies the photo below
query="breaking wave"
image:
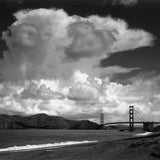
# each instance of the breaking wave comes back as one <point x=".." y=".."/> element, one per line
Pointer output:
<point x="43" y="146"/>
<point x="143" y="134"/>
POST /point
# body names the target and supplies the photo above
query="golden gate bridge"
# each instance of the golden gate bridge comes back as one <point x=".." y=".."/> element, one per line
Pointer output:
<point x="147" y="125"/>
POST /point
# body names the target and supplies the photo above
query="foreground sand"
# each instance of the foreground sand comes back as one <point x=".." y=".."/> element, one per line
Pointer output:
<point x="126" y="149"/>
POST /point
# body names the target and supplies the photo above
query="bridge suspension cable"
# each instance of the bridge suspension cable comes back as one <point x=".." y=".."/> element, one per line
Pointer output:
<point x="139" y="115"/>
<point x="122" y="118"/>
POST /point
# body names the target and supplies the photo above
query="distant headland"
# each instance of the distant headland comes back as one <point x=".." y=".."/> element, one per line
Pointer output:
<point x="43" y="121"/>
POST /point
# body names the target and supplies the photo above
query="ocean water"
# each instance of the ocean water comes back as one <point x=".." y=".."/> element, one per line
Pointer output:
<point x="14" y="140"/>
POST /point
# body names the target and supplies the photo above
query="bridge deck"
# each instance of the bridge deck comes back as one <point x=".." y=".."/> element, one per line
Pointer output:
<point x="110" y="123"/>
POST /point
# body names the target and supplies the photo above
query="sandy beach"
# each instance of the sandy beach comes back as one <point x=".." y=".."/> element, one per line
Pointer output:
<point x="142" y="148"/>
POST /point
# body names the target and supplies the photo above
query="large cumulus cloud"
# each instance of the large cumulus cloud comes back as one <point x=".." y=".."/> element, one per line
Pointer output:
<point x="48" y="43"/>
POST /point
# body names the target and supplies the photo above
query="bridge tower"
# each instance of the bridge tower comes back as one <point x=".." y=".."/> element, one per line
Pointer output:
<point x="102" y="120"/>
<point x="131" y="118"/>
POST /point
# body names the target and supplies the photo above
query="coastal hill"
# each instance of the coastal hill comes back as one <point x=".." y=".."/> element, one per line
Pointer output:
<point x="43" y="121"/>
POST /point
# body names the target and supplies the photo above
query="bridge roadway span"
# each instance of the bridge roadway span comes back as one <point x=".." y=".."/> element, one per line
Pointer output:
<point x="110" y="123"/>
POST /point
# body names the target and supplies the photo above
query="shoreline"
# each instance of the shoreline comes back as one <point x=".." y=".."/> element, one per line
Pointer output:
<point x="28" y="148"/>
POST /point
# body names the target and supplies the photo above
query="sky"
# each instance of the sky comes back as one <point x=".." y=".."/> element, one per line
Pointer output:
<point x="78" y="58"/>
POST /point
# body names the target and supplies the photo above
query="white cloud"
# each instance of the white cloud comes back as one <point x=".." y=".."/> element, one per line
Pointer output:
<point x="41" y="92"/>
<point x="83" y="98"/>
<point x="126" y="2"/>
<point x="114" y="70"/>
<point x="83" y="92"/>
<point x="125" y="38"/>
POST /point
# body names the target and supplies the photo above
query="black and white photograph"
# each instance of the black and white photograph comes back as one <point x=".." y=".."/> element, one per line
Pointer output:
<point x="79" y="79"/>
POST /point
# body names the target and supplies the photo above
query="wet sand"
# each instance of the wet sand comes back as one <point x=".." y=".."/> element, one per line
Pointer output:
<point x="143" y="148"/>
